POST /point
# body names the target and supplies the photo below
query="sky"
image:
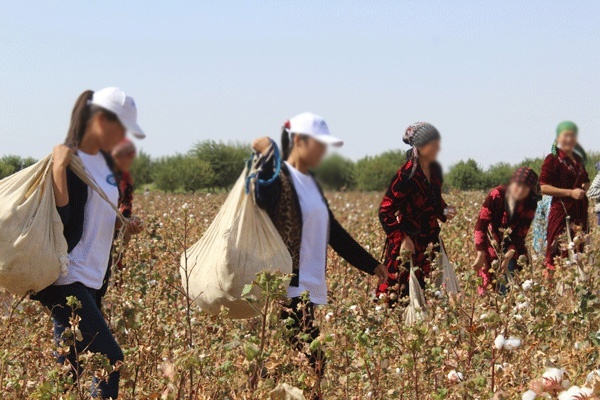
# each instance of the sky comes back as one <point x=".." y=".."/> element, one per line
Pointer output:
<point x="495" y="77"/>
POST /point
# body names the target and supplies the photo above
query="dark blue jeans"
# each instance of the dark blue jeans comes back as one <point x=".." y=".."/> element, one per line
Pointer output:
<point x="97" y="336"/>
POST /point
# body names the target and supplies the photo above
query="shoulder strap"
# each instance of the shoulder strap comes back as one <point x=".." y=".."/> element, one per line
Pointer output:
<point x="78" y="169"/>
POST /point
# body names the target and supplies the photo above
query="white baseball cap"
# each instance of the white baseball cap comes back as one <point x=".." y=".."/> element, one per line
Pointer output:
<point x="315" y="126"/>
<point x="115" y="100"/>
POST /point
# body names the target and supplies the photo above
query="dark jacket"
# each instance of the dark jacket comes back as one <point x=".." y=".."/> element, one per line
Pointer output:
<point x="280" y="200"/>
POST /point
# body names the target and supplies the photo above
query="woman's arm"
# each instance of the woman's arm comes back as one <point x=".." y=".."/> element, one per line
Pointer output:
<point x="61" y="157"/>
<point x="268" y="195"/>
<point x="484" y="220"/>
<point x="345" y="245"/>
<point x="558" y="192"/>
<point x="393" y="200"/>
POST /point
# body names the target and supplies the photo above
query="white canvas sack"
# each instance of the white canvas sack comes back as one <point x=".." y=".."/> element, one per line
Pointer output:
<point x="241" y="242"/>
<point x="33" y="249"/>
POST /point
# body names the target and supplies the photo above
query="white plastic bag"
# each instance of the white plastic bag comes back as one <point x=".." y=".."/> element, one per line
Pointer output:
<point x="449" y="280"/>
<point x="33" y="249"/>
<point x="241" y="242"/>
<point x="417" y="307"/>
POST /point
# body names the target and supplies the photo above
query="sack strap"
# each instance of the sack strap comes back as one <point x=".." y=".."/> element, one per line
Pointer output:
<point x="78" y="169"/>
<point x="256" y="162"/>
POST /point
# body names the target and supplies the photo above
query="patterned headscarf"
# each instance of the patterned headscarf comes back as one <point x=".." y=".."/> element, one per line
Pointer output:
<point x="420" y="133"/>
<point x="416" y="136"/>
<point x="569" y="126"/>
<point x="526" y="176"/>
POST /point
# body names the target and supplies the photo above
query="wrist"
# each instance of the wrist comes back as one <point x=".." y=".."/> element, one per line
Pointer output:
<point x="59" y="168"/>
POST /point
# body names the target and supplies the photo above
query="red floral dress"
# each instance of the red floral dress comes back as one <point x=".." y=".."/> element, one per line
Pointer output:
<point x="563" y="172"/>
<point x="411" y="207"/>
<point x="495" y="219"/>
<point x="125" y="193"/>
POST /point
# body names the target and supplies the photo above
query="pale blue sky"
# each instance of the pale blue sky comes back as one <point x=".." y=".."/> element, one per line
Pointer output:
<point x="494" y="76"/>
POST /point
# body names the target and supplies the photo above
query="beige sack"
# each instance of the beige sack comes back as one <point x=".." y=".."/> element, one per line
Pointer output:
<point x="241" y="242"/>
<point x="33" y="249"/>
<point x="417" y="308"/>
<point x="448" y="281"/>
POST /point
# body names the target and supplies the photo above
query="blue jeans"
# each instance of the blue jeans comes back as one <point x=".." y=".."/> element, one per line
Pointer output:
<point x="97" y="336"/>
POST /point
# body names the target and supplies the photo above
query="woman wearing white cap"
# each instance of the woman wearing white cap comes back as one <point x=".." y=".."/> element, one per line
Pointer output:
<point x="301" y="214"/>
<point x="98" y="123"/>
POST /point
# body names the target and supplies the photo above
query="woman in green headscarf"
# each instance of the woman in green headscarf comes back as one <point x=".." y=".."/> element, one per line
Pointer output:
<point x="564" y="178"/>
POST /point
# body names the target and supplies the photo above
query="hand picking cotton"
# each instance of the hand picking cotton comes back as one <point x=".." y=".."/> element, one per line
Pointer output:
<point x="241" y="242"/>
<point x="33" y="250"/>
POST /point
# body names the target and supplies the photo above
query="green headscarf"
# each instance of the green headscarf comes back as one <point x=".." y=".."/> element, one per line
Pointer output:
<point x="569" y="126"/>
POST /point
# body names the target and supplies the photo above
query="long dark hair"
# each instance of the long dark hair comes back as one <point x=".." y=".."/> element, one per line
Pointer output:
<point x="80" y="117"/>
<point x="286" y="143"/>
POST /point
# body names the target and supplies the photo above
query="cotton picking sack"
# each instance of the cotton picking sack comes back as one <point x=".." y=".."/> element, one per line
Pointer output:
<point x="241" y="242"/>
<point x="448" y="281"/>
<point x="417" y="308"/>
<point x="33" y="249"/>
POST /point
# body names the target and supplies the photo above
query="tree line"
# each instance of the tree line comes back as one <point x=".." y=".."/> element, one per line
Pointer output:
<point x="212" y="165"/>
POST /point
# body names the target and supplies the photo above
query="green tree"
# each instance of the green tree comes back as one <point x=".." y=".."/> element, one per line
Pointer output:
<point x="10" y="164"/>
<point x="141" y="170"/>
<point x="336" y="173"/>
<point x="182" y="173"/>
<point x="195" y="174"/>
<point x="533" y="163"/>
<point x="226" y="160"/>
<point x="374" y="173"/>
<point x="165" y="173"/>
<point x="466" y="175"/>
<point x="498" y="174"/>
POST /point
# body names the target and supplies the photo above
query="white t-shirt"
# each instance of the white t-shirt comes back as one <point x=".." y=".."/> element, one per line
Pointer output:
<point x="89" y="259"/>
<point x="315" y="232"/>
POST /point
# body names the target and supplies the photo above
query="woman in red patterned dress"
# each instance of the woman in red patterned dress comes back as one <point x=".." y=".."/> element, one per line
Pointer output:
<point x="565" y="179"/>
<point x="505" y="217"/>
<point x="411" y="209"/>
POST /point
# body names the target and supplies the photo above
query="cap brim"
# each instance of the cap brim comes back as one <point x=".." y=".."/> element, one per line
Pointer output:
<point x="135" y="130"/>
<point x="329" y="140"/>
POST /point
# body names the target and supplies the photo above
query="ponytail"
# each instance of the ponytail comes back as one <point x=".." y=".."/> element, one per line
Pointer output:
<point x="80" y="117"/>
<point x="286" y="145"/>
<point x="579" y="150"/>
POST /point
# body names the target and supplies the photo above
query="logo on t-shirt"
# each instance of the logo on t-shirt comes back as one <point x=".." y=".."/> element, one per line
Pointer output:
<point x="110" y="179"/>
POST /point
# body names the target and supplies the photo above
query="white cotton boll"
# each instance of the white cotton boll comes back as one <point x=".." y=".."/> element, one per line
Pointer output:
<point x="329" y="316"/>
<point x="522" y="306"/>
<point x="454" y="376"/>
<point x="518" y="317"/>
<point x="378" y="308"/>
<point x="529" y="395"/>
<point x="576" y="393"/>
<point x="528" y="284"/>
<point x="512" y="343"/>
<point x="592" y="376"/>
<point x="354" y="308"/>
<point x="499" y="342"/>
<point x="571" y="246"/>
<point x="398" y="370"/>
<point x="367" y="247"/>
<point x="483" y="316"/>
<point x="555" y="374"/>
